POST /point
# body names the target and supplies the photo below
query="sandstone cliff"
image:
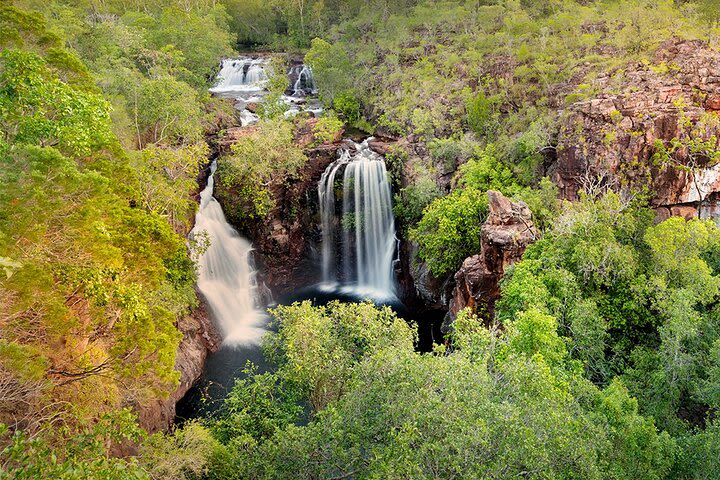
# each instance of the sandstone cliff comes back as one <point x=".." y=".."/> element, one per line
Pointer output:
<point x="648" y="125"/>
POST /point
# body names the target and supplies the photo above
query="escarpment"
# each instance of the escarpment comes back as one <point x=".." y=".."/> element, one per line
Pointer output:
<point x="285" y="239"/>
<point x="650" y="127"/>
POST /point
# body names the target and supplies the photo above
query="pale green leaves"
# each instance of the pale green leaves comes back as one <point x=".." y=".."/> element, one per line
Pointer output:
<point x="9" y="266"/>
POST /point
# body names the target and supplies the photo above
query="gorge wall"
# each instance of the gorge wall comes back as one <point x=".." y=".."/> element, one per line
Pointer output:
<point x="199" y="339"/>
<point x="643" y="125"/>
<point x="648" y="125"/>
<point x="286" y="240"/>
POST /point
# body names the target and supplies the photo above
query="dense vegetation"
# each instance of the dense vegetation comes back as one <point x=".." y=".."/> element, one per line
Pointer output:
<point x="103" y="119"/>
<point x="603" y="358"/>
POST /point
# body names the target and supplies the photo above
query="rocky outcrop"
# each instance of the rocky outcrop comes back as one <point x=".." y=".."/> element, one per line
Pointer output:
<point x="285" y="241"/>
<point x="199" y="338"/>
<point x="231" y="136"/>
<point x="505" y="235"/>
<point x="614" y="139"/>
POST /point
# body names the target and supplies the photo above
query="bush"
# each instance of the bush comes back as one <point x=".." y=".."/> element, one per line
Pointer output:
<point x="449" y="230"/>
<point x="327" y="129"/>
<point x="483" y="114"/>
<point x="266" y="154"/>
<point x="347" y="106"/>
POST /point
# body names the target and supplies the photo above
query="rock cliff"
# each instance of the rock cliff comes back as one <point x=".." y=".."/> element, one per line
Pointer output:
<point x="199" y="338"/>
<point x="648" y="125"/>
<point x="286" y="240"/>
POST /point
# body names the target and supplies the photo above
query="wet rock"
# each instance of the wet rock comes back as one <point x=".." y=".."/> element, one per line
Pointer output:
<point x="505" y="235"/>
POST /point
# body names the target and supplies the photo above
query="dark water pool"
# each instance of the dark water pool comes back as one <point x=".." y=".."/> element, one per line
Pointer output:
<point x="226" y="365"/>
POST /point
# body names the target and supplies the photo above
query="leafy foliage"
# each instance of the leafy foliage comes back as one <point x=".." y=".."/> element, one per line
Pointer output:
<point x="449" y="230"/>
<point x="637" y="300"/>
<point x="265" y="154"/>
<point x="83" y="456"/>
<point x="96" y="273"/>
<point x="503" y="403"/>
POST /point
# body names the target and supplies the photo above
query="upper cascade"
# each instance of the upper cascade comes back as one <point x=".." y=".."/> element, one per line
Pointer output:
<point x="359" y="247"/>
<point x="303" y="83"/>
<point x="241" y="75"/>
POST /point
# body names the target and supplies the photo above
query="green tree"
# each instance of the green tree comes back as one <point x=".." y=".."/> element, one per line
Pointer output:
<point x="166" y="111"/>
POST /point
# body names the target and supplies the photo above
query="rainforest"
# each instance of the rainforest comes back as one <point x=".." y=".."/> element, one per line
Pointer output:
<point x="345" y="239"/>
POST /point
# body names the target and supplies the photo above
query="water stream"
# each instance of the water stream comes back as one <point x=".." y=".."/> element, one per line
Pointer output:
<point x="241" y="75"/>
<point x="226" y="278"/>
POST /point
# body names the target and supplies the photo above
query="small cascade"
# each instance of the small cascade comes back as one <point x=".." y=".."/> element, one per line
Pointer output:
<point x="226" y="279"/>
<point x="368" y="240"/>
<point x="301" y="93"/>
<point x="241" y="75"/>
<point x="304" y="84"/>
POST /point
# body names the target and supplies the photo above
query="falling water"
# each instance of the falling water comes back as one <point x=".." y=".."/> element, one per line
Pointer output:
<point x="326" y="194"/>
<point x="241" y="75"/>
<point x="304" y="82"/>
<point x="226" y="278"/>
<point x="368" y="240"/>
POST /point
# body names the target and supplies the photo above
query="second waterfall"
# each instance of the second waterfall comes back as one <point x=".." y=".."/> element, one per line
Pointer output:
<point x="358" y="227"/>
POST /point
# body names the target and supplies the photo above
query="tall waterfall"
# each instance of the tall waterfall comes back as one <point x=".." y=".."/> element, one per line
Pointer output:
<point x="226" y="279"/>
<point x="368" y="228"/>
<point x="241" y="75"/>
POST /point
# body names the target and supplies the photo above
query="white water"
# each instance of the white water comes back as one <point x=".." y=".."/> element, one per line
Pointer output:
<point x="304" y="83"/>
<point x="226" y="279"/>
<point x="326" y="195"/>
<point x="368" y="225"/>
<point x="241" y="75"/>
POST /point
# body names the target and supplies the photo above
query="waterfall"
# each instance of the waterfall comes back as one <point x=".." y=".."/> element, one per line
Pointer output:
<point x="304" y="83"/>
<point x="226" y="279"/>
<point x="367" y="222"/>
<point x="326" y="194"/>
<point x="241" y="75"/>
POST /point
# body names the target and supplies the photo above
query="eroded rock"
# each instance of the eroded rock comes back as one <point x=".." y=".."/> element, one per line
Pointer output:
<point x="505" y="235"/>
<point x="612" y="140"/>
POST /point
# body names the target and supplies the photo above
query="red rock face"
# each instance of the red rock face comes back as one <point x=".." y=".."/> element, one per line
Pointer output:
<point x="199" y="338"/>
<point x="712" y="102"/>
<point x="232" y="136"/>
<point x="610" y="141"/>
<point x="505" y="235"/>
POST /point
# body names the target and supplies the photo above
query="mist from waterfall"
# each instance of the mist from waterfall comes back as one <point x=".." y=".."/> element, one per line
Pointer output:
<point x="226" y="278"/>
<point x="358" y="248"/>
